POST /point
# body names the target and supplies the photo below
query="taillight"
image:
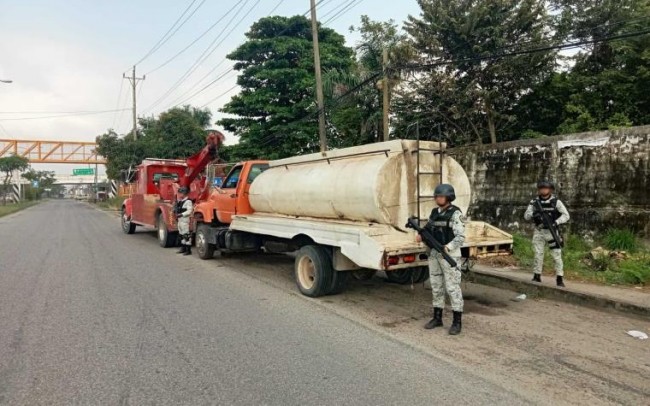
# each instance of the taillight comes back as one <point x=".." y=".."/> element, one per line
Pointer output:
<point x="393" y="260"/>
<point x="408" y="258"/>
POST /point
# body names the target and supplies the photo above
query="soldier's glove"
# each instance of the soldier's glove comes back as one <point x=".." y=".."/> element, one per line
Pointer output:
<point x="537" y="216"/>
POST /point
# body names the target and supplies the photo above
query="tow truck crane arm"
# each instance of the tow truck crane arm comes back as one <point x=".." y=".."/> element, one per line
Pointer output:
<point x="197" y="162"/>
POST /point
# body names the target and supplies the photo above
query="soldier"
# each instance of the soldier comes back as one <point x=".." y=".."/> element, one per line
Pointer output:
<point x="446" y="225"/>
<point x="183" y="212"/>
<point x="558" y="214"/>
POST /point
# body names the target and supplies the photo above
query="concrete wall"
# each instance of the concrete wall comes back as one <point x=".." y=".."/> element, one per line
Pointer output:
<point x="603" y="177"/>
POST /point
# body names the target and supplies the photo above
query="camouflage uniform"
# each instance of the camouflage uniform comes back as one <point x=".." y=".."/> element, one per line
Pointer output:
<point x="444" y="277"/>
<point x="543" y="236"/>
<point x="185" y="208"/>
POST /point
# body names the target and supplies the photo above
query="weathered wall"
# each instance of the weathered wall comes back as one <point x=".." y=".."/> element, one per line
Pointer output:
<point x="603" y="177"/>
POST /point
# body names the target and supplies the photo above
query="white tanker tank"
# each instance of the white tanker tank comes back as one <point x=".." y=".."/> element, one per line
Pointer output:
<point x="375" y="183"/>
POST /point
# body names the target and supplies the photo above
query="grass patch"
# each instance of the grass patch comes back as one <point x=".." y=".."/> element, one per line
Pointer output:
<point x="114" y="203"/>
<point x="14" y="207"/>
<point x="621" y="240"/>
<point x="634" y="270"/>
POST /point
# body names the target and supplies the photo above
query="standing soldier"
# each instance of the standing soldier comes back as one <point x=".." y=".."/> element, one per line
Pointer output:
<point x="446" y="225"/>
<point x="183" y="212"/>
<point x="558" y="214"/>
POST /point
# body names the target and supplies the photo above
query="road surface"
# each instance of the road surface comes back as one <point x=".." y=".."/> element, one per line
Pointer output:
<point x="91" y="316"/>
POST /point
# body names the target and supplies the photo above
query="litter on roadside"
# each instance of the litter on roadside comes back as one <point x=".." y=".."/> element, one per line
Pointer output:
<point x="519" y="298"/>
<point x="637" y="334"/>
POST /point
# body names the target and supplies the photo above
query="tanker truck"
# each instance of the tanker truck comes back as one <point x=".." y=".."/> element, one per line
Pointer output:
<point x="342" y="212"/>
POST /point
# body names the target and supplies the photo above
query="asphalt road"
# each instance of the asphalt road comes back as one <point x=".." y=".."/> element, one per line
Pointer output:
<point x="89" y="315"/>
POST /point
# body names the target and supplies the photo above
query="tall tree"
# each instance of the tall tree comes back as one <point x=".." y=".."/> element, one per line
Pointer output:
<point x="357" y="118"/>
<point x="177" y="133"/>
<point x="8" y="165"/>
<point x="459" y="39"/>
<point x="275" y="111"/>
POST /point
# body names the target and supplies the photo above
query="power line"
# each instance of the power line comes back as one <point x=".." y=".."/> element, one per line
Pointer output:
<point x="167" y="35"/>
<point x="223" y="74"/>
<point x="183" y="97"/>
<point x="73" y="114"/>
<point x="117" y="104"/>
<point x="206" y="53"/>
<point x="352" y="4"/>
<point x="203" y="34"/>
<point x="568" y="45"/>
<point x="220" y="96"/>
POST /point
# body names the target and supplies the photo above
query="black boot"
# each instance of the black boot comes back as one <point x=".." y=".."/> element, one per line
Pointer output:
<point x="537" y="277"/>
<point x="188" y="250"/>
<point x="182" y="249"/>
<point x="559" y="281"/>
<point x="436" y="321"/>
<point x="457" y="324"/>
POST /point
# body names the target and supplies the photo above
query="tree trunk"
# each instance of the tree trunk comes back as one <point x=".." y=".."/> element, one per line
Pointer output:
<point x="491" y="125"/>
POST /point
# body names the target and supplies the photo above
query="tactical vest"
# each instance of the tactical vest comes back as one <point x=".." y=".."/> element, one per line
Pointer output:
<point x="550" y="208"/>
<point x="439" y="224"/>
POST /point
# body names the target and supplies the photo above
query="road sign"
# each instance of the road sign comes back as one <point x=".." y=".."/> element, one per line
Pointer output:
<point x="83" y="171"/>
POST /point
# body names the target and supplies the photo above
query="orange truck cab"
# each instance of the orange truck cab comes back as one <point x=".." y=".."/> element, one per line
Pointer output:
<point x="232" y="197"/>
<point x="213" y="216"/>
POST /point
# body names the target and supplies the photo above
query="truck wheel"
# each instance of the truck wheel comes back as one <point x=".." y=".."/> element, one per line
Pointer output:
<point x="127" y="226"/>
<point x="420" y="274"/>
<point x="339" y="282"/>
<point x="363" y="274"/>
<point x="165" y="238"/>
<point x="203" y="247"/>
<point x="401" y="276"/>
<point x="313" y="270"/>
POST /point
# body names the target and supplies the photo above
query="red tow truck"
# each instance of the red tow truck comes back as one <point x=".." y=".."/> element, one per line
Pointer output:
<point x="151" y="204"/>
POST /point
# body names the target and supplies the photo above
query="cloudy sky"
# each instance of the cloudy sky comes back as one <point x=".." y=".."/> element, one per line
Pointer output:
<point x="69" y="56"/>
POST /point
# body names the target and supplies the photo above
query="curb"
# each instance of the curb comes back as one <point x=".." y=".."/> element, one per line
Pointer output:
<point x="560" y="294"/>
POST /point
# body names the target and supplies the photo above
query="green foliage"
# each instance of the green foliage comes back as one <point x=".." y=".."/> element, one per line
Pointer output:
<point x="177" y="133"/>
<point x="274" y="114"/>
<point x="14" y="207"/>
<point x="621" y="240"/>
<point x="523" y="250"/>
<point x="471" y="96"/>
<point x="8" y="165"/>
<point x="45" y="180"/>
<point x="633" y="271"/>
<point x="114" y="203"/>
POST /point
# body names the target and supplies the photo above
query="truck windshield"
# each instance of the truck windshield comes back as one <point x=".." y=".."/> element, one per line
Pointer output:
<point x="232" y="179"/>
<point x="164" y="175"/>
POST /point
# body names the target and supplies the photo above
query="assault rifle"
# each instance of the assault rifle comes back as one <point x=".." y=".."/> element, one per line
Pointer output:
<point x="429" y="240"/>
<point x="552" y="227"/>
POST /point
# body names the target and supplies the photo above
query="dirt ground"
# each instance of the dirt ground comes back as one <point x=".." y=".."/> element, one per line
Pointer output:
<point x="549" y="352"/>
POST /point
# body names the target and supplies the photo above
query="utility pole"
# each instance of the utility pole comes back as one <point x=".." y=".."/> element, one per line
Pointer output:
<point x="386" y="90"/>
<point x="134" y="82"/>
<point x="319" y="79"/>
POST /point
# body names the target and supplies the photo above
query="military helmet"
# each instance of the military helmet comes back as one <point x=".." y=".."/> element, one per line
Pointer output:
<point x="545" y="183"/>
<point x="184" y="190"/>
<point x="445" y="189"/>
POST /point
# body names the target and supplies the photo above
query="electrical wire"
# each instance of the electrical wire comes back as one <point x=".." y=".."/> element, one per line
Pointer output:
<point x="176" y="103"/>
<point x="352" y="4"/>
<point x="206" y="53"/>
<point x="203" y="34"/>
<point x="71" y="114"/>
<point x="167" y="35"/>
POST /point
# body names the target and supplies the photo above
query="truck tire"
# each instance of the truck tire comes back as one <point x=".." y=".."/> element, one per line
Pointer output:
<point x="203" y="247"/>
<point x="127" y="226"/>
<point x="313" y="271"/>
<point x="401" y="276"/>
<point x="363" y="274"/>
<point x="339" y="282"/>
<point x="420" y="274"/>
<point x="165" y="238"/>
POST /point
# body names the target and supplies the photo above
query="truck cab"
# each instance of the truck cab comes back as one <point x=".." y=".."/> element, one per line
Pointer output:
<point x="232" y="197"/>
